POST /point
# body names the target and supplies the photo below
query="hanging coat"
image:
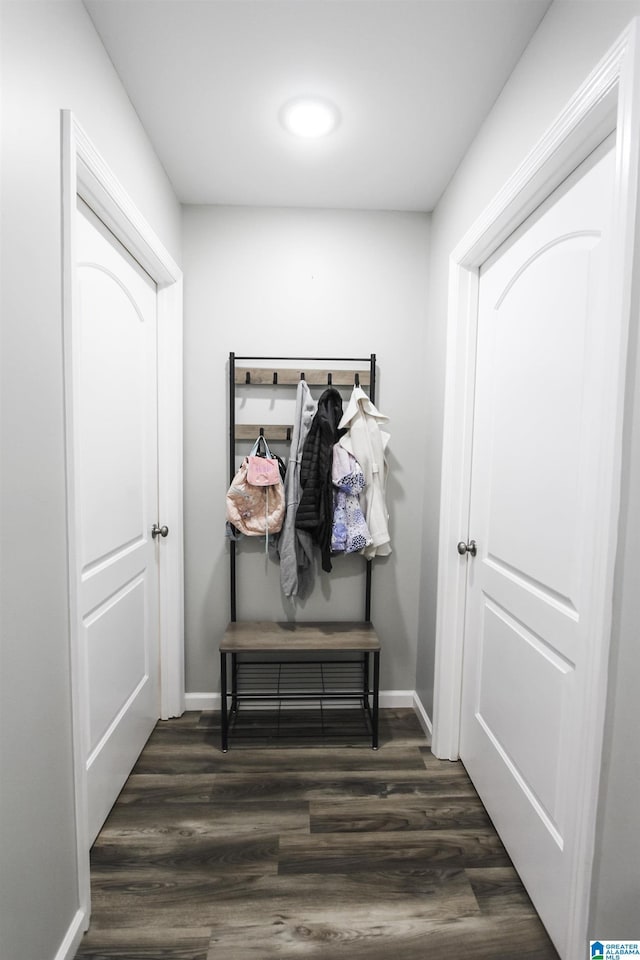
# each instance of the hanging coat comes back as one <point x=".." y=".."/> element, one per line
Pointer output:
<point x="350" y="533"/>
<point x="367" y="442"/>
<point x="295" y="547"/>
<point x="315" y="511"/>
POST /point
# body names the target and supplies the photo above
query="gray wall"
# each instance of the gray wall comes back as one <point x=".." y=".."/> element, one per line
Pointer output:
<point x="51" y="59"/>
<point x="305" y="283"/>
<point x="569" y="42"/>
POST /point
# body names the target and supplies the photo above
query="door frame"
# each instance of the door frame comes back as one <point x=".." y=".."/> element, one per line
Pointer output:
<point x="85" y="174"/>
<point x="607" y="101"/>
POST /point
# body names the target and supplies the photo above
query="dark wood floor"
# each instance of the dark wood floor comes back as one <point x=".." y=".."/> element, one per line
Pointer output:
<point x="287" y="851"/>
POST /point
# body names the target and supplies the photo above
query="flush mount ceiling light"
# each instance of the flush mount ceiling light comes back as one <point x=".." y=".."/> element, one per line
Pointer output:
<point x="309" y="117"/>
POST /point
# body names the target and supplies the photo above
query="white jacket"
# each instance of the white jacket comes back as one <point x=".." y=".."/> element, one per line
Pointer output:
<point x="367" y="442"/>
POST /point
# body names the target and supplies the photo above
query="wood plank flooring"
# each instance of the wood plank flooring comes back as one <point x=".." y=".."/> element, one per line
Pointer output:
<point x="282" y="850"/>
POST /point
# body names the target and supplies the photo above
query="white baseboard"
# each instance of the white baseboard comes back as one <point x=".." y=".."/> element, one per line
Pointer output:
<point x="423" y="716"/>
<point x="72" y="937"/>
<point x="388" y="698"/>
<point x="396" y="698"/>
<point x="202" y="701"/>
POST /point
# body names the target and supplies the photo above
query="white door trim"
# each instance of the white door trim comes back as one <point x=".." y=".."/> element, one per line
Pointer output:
<point x="608" y="100"/>
<point x="84" y="173"/>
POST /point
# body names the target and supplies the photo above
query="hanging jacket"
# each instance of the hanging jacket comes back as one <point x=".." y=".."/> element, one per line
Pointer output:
<point x="295" y="547"/>
<point x="350" y="533"/>
<point x="315" y="511"/>
<point x="367" y="442"/>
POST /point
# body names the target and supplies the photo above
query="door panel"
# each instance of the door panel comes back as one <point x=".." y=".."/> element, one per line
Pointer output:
<point x="115" y="395"/>
<point x="522" y="727"/>
<point x="538" y="431"/>
<point x="116" y="660"/>
<point x="538" y="402"/>
<point x="113" y="422"/>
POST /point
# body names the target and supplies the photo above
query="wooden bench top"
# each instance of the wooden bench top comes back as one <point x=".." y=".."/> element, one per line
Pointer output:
<point x="267" y="635"/>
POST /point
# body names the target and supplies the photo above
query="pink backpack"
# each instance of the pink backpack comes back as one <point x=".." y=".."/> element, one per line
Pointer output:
<point x="255" y="499"/>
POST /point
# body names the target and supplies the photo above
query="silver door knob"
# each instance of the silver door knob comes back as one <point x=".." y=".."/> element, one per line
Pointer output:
<point x="157" y="531"/>
<point x="467" y="548"/>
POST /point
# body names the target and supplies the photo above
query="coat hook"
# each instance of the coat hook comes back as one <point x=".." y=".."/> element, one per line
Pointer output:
<point x="262" y="431"/>
<point x="357" y="379"/>
<point x="275" y="377"/>
<point x="302" y="374"/>
<point x="247" y="377"/>
<point x="289" y="433"/>
<point x="330" y="379"/>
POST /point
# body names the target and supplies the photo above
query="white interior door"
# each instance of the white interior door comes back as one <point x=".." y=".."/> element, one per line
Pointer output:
<point x="532" y="591"/>
<point x="116" y="478"/>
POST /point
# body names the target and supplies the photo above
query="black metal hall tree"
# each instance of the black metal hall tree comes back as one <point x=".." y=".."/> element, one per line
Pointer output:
<point x="270" y="680"/>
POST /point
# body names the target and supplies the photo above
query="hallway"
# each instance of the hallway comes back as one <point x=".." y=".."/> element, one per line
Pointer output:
<point x="281" y="850"/>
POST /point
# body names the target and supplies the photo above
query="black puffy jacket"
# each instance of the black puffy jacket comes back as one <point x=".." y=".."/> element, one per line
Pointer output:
<point x="315" y="510"/>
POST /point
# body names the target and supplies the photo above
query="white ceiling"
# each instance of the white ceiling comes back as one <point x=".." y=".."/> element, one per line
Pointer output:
<point x="413" y="80"/>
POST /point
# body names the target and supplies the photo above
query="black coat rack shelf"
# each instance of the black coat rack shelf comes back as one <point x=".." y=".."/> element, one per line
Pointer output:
<point x="272" y="663"/>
